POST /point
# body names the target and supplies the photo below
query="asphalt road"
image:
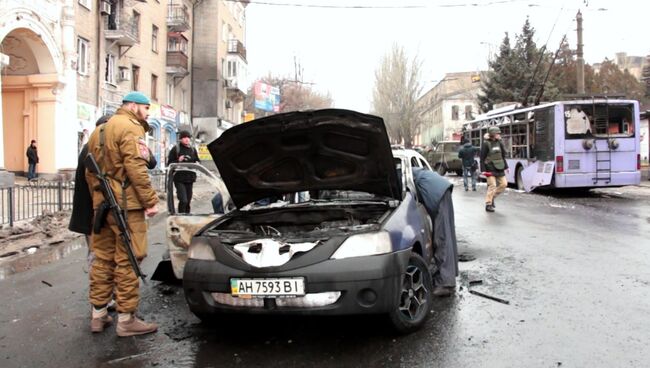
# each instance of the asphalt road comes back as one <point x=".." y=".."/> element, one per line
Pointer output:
<point x="574" y="269"/>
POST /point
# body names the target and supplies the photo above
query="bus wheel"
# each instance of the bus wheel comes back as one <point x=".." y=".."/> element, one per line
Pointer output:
<point x="518" y="178"/>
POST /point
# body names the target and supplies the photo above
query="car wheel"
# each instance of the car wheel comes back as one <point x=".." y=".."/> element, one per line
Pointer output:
<point x="459" y="173"/>
<point x="440" y="169"/>
<point x="414" y="300"/>
<point x="518" y="179"/>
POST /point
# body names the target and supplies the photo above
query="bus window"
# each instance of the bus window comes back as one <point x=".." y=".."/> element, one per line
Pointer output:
<point x="599" y="120"/>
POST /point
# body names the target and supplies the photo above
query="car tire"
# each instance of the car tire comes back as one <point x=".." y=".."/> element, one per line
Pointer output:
<point x="518" y="179"/>
<point x="414" y="299"/>
<point x="440" y="169"/>
<point x="459" y="173"/>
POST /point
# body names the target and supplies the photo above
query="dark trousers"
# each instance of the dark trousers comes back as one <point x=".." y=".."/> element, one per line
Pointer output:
<point x="184" y="195"/>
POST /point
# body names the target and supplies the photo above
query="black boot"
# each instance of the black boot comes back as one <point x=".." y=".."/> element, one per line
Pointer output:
<point x="489" y="208"/>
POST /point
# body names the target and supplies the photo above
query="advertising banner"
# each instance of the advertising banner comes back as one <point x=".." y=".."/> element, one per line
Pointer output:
<point x="204" y="154"/>
<point x="267" y="97"/>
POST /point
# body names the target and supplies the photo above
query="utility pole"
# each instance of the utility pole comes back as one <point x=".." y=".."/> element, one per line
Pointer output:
<point x="580" y="68"/>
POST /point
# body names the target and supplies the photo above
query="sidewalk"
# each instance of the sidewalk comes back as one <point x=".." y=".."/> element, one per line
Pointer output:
<point x="46" y="239"/>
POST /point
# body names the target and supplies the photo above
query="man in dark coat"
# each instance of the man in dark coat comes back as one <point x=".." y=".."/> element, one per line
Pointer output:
<point x="467" y="154"/>
<point x="434" y="192"/>
<point x="183" y="180"/>
<point x="32" y="160"/>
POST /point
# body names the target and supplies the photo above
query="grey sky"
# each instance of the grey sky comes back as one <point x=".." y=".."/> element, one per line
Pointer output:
<point x="339" y="49"/>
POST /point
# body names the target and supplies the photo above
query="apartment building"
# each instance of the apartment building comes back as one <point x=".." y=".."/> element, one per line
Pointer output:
<point x="448" y="105"/>
<point x="219" y="71"/>
<point x="38" y="82"/>
<point x="126" y="45"/>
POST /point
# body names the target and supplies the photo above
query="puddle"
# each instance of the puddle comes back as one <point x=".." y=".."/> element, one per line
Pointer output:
<point x="34" y="258"/>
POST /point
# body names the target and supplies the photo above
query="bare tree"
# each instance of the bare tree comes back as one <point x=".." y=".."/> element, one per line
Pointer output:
<point x="397" y="88"/>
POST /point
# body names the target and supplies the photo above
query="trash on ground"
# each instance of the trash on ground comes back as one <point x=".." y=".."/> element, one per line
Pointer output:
<point x="503" y="301"/>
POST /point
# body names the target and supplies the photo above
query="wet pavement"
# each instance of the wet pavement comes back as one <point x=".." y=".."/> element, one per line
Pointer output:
<point x="573" y="267"/>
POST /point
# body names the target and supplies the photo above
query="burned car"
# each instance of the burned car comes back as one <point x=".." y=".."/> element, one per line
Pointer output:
<point x="326" y="223"/>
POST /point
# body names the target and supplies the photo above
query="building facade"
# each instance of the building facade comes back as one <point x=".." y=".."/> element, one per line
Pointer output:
<point x="134" y="45"/>
<point x="38" y="82"/>
<point x="219" y="69"/>
<point x="448" y="105"/>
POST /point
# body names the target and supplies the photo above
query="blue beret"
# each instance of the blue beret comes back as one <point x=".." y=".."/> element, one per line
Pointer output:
<point x="137" y="97"/>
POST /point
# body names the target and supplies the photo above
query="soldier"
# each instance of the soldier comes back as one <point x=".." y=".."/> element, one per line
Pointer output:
<point x="494" y="164"/>
<point x="120" y="150"/>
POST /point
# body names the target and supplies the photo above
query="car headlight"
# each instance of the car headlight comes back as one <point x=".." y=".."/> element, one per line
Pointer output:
<point x="368" y="244"/>
<point x="201" y="251"/>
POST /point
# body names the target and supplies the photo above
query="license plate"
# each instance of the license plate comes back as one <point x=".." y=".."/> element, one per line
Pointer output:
<point x="267" y="288"/>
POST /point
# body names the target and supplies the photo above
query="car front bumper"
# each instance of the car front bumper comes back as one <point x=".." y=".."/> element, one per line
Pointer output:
<point x="367" y="285"/>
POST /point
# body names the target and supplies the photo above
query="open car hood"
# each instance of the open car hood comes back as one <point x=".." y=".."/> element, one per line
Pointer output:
<point x="306" y="150"/>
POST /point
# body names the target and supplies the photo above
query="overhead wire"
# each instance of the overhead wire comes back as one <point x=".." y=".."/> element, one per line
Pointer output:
<point x="330" y="6"/>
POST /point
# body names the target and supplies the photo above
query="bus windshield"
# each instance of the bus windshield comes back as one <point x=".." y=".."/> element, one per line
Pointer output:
<point x="599" y="120"/>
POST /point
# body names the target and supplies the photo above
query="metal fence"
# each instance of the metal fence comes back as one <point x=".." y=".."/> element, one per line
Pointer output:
<point x="28" y="201"/>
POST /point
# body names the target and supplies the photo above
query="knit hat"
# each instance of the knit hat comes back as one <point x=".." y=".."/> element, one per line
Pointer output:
<point x="184" y="133"/>
<point x="137" y="97"/>
<point x="102" y="120"/>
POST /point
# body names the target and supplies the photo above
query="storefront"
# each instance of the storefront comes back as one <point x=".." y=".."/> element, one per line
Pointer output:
<point x="163" y="122"/>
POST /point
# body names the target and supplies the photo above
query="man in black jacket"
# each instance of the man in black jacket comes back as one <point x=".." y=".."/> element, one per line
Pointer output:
<point x="32" y="160"/>
<point x="183" y="180"/>
<point x="494" y="165"/>
<point x="467" y="154"/>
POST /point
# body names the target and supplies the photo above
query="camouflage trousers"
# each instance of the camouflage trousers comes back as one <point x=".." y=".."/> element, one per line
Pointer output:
<point x="111" y="273"/>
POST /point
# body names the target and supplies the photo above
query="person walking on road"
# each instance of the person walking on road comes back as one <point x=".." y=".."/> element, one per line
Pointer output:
<point x="467" y="153"/>
<point x="435" y="192"/>
<point x="120" y="150"/>
<point x="494" y="165"/>
<point x="32" y="160"/>
<point x="183" y="180"/>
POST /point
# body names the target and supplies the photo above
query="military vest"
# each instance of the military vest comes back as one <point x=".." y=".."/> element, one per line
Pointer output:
<point x="495" y="155"/>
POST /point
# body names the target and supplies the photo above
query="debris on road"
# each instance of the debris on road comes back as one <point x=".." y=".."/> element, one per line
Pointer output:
<point x="46" y="283"/>
<point x="503" y="301"/>
<point x="466" y="257"/>
<point x="475" y="282"/>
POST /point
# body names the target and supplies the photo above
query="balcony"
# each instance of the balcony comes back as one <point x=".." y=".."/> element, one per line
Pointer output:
<point x="177" y="64"/>
<point x="124" y="31"/>
<point x="178" y="19"/>
<point x="235" y="47"/>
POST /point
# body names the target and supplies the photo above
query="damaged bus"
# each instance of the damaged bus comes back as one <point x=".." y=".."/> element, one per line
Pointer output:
<point x="587" y="143"/>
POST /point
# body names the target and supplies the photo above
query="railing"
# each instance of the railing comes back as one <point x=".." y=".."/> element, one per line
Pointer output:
<point x="128" y="27"/>
<point x="178" y="17"/>
<point x="236" y="47"/>
<point x="28" y="201"/>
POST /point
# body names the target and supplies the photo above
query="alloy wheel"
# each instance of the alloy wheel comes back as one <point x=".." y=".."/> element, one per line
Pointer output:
<point x="413" y="296"/>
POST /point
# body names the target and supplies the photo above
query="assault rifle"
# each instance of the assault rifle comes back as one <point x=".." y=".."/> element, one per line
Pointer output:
<point x="111" y="204"/>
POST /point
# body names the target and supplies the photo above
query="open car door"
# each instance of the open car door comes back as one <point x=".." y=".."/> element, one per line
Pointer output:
<point x="181" y="227"/>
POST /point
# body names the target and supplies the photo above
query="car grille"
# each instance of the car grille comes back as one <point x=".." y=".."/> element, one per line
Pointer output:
<point x="311" y="300"/>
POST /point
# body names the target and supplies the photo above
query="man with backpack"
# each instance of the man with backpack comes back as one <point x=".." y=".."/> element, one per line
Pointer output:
<point x="183" y="180"/>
